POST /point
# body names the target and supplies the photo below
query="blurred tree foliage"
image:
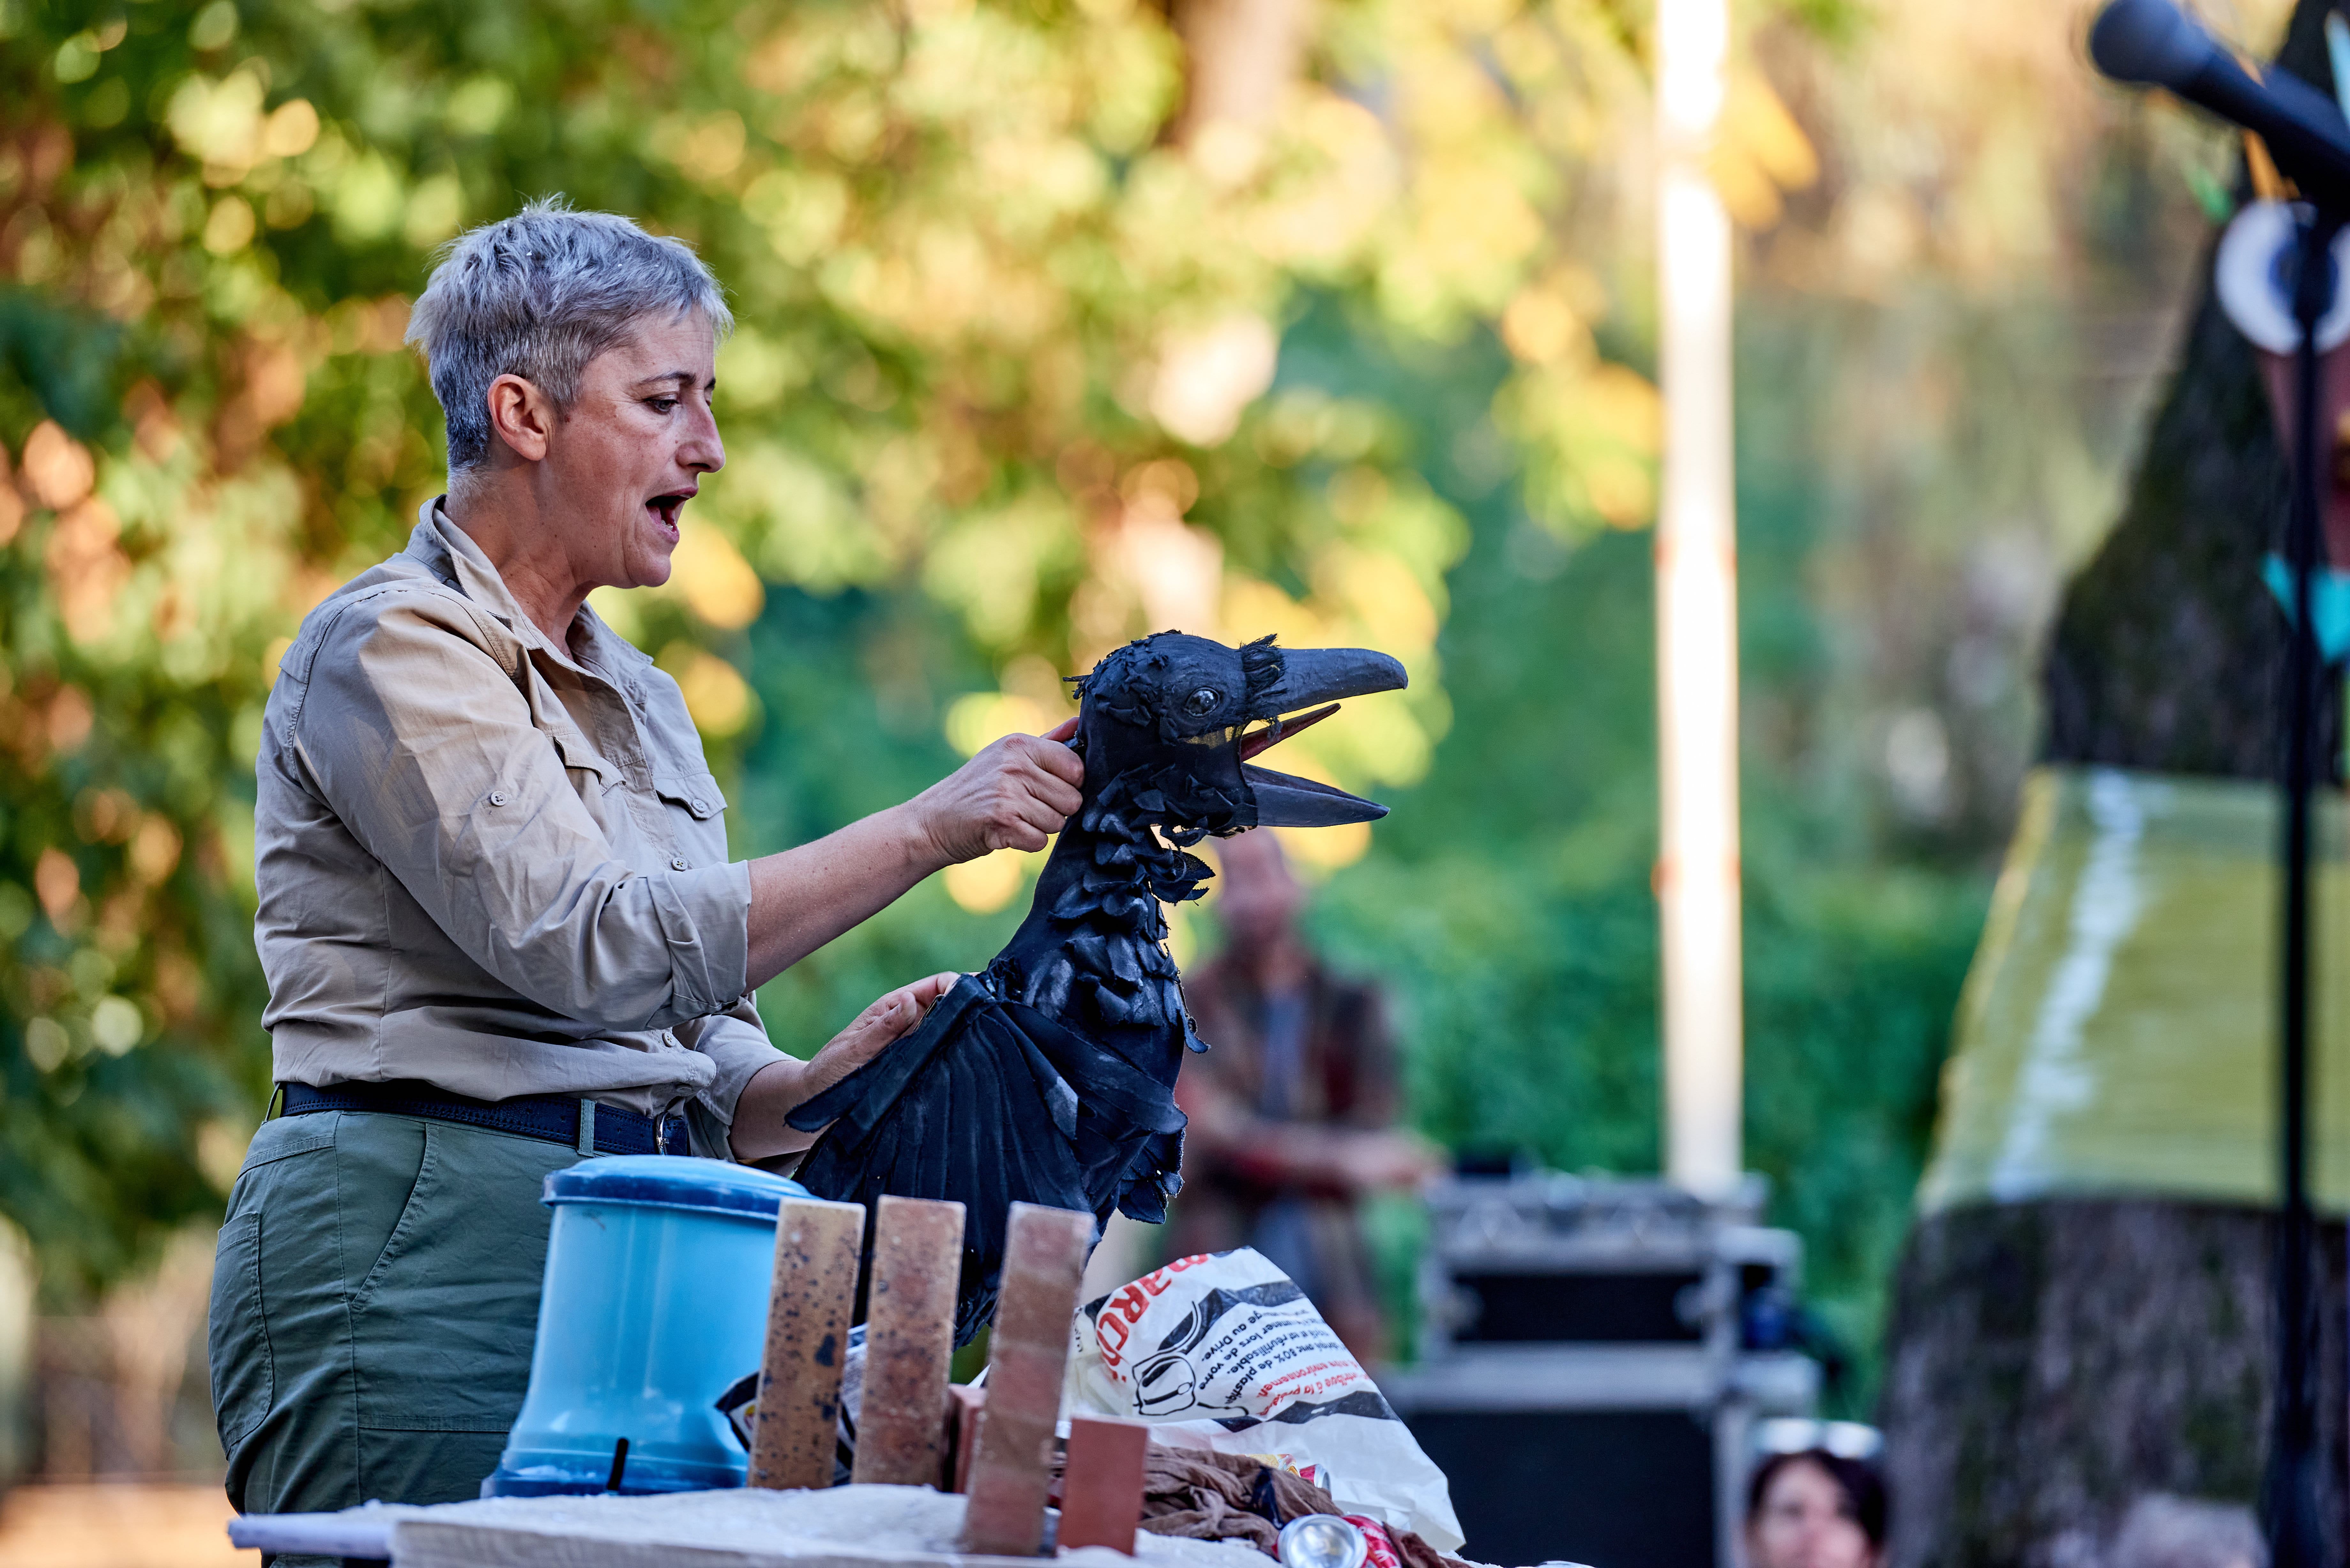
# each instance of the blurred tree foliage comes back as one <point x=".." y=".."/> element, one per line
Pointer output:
<point x="1944" y="345"/>
<point x="1011" y="280"/>
<point x="1014" y="281"/>
<point x="1506" y="902"/>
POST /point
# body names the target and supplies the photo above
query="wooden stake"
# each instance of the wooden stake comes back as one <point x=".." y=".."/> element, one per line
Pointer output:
<point x="808" y="1311"/>
<point x="908" y="1337"/>
<point x="1044" y="1256"/>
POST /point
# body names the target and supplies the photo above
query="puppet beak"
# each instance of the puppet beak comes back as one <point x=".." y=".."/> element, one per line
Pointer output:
<point x="1312" y="676"/>
<point x="1285" y="801"/>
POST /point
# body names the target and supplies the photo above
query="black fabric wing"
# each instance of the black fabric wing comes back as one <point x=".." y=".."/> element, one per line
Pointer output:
<point x="987" y="1103"/>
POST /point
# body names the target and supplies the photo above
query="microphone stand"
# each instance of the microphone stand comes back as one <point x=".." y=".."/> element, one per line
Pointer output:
<point x="2290" y="1488"/>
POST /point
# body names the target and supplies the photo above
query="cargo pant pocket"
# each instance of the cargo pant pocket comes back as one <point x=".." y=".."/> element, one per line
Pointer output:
<point x="238" y="1339"/>
<point x="443" y="1322"/>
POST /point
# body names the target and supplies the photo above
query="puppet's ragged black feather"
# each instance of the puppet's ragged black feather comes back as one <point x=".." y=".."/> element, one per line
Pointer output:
<point x="1049" y="1077"/>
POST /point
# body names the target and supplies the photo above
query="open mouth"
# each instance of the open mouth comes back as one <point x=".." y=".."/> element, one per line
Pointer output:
<point x="1311" y="677"/>
<point x="664" y="510"/>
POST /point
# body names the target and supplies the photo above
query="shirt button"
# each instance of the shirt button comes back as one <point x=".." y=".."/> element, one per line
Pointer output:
<point x="700" y="807"/>
<point x="677" y="863"/>
<point x="497" y="797"/>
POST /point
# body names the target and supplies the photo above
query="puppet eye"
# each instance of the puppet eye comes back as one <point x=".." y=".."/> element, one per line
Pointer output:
<point x="1203" y="703"/>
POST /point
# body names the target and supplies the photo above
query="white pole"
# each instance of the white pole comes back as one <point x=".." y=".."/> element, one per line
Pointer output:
<point x="1697" y="616"/>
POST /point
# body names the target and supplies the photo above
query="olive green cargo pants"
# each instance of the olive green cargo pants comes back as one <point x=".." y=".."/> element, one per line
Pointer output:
<point x="374" y="1303"/>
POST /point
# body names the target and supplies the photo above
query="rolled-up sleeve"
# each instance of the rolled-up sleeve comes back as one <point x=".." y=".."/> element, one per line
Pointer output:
<point x="736" y="1043"/>
<point x="426" y="747"/>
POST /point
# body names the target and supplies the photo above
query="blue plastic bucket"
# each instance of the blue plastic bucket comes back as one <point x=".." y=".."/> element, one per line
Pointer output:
<point x="657" y="1270"/>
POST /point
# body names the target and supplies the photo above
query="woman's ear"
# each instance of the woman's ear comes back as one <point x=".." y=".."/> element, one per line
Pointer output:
<point x="524" y="417"/>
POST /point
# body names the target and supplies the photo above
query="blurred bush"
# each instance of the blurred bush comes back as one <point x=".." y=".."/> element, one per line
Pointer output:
<point x="1062" y="321"/>
<point x="1011" y="280"/>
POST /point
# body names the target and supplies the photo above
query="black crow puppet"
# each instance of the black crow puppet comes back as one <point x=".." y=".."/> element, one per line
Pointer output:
<point x="1049" y="1076"/>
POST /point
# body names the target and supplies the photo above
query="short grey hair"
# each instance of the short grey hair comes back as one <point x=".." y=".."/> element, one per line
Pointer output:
<point x="539" y="294"/>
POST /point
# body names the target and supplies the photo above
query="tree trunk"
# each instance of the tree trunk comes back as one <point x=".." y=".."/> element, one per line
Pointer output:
<point x="2056" y="1364"/>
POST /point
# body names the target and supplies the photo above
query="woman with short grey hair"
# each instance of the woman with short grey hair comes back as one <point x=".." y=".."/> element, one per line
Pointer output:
<point x="497" y="914"/>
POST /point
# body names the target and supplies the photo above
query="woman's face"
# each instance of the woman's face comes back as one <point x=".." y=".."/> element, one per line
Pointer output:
<point x="1806" y="1522"/>
<point x="633" y="447"/>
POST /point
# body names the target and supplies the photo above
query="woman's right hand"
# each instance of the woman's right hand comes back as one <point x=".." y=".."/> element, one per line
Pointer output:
<point x="1015" y="794"/>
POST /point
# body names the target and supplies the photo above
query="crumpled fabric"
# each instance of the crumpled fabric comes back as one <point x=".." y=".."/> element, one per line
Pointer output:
<point x="1230" y="1497"/>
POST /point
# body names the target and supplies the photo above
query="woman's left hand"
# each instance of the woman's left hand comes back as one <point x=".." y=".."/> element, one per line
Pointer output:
<point x="887" y="1020"/>
<point x="781" y="1087"/>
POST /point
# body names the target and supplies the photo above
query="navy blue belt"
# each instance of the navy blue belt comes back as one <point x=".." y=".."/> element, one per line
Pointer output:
<point x="555" y="1118"/>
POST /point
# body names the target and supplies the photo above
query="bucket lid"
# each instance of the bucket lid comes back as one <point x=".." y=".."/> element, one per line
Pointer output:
<point x="671" y="1181"/>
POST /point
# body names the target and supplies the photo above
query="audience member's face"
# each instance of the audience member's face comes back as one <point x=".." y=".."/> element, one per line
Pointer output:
<point x="1806" y="1522"/>
<point x="1256" y="898"/>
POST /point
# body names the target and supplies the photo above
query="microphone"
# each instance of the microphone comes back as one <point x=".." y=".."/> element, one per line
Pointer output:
<point x="2152" y="42"/>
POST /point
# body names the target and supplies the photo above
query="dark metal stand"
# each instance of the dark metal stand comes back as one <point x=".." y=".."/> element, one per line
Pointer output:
<point x="2290" y="1489"/>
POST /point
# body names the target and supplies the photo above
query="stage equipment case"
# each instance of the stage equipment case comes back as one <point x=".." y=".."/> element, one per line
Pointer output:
<point x="1594" y="1353"/>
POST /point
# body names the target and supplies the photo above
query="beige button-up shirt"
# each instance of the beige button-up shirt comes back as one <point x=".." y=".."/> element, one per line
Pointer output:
<point x="491" y="863"/>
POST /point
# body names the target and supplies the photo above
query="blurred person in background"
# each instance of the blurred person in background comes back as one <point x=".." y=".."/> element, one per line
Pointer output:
<point x="499" y="920"/>
<point x="1294" y="1107"/>
<point x="1815" y="1509"/>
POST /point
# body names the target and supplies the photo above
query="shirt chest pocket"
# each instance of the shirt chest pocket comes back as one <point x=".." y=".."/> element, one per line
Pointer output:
<point x="595" y="779"/>
<point x="696" y="813"/>
<point x="591" y="771"/>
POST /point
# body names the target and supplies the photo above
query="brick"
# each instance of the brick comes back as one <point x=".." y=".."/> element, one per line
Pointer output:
<point x="908" y="1337"/>
<point x="964" y="1403"/>
<point x="1101" y="1486"/>
<point x="808" y="1312"/>
<point x="1044" y="1256"/>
